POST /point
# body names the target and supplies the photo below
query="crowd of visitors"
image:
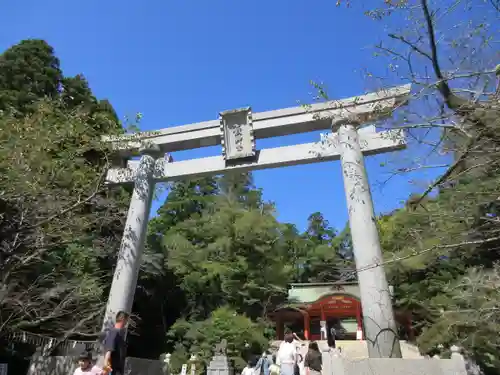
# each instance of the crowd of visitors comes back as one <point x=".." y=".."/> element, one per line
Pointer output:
<point x="287" y="361"/>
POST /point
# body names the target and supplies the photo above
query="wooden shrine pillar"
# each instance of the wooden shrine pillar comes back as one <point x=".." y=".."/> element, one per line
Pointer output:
<point x="280" y="328"/>
<point x="359" y="330"/>
<point x="307" y="325"/>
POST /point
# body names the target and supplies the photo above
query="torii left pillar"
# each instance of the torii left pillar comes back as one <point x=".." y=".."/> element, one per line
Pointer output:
<point x="121" y="295"/>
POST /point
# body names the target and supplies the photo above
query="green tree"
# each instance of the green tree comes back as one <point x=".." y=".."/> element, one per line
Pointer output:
<point x="29" y="71"/>
<point x="59" y="224"/>
<point x="229" y="255"/>
<point x="242" y="334"/>
<point x="239" y="187"/>
<point x="76" y="93"/>
<point x="442" y="259"/>
<point x="319" y="230"/>
<point x="324" y="257"/>
<point x="57" y="221"/>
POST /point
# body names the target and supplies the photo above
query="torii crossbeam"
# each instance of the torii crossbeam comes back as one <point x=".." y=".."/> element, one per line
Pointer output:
<point x="236" y="131"/>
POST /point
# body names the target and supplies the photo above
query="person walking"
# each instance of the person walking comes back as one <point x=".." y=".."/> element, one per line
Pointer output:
<point x="314" y="360"/>
<point x="332" y="338"/>
<point x="263" y="364"/>
<point x="286" y="358"/>
<point x="324" y="335"/>
<point x="115" y="346"/>
<point x="299" y="367"/>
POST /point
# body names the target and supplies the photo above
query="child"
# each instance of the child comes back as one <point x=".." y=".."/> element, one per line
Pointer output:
<point x="248" y="370"/>
<point x="85" y="365"/>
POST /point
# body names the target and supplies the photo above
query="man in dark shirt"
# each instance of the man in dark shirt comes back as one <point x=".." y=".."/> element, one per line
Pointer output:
<point x="115" y="345"/>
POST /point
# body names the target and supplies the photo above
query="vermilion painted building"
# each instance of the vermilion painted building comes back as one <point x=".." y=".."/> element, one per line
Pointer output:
<point x="313" y="305"/>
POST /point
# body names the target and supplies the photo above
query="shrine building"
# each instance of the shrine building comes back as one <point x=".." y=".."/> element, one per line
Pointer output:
<point x="313" y="305"/>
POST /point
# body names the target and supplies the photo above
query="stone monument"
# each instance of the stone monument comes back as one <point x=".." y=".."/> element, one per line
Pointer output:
<point x="165" y="359"/>
<point x="220" y="364"/>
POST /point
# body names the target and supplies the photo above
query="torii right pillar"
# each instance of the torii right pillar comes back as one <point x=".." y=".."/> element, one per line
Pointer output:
<point x="381" y="333"/>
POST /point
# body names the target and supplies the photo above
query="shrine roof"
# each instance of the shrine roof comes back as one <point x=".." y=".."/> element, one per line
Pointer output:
<point x="312" y="285"/>
<point x="300" y="293"/>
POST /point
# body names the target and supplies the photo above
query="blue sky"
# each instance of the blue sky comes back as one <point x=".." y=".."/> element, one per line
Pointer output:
<point x="180" y="62"/>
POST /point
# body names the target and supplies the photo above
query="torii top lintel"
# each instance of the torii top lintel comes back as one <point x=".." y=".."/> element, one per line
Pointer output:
<point x="267" y="124"/>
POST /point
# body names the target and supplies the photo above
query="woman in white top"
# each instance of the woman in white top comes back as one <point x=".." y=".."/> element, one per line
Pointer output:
<point x="286" y="358"/>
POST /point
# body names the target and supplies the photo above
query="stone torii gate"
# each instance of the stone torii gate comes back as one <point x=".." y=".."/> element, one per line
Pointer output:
<point x="236" y="131"/>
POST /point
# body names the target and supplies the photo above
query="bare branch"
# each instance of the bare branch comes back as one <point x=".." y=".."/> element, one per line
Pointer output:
<point x="75" y="205"/>
<point x="451" y="99"/>
<point x="411" y="45"/>
<point x="445" y="175"/>
<point x="495" y="4"/>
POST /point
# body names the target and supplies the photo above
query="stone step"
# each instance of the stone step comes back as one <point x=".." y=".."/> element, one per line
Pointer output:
<point x="352" y="349"/>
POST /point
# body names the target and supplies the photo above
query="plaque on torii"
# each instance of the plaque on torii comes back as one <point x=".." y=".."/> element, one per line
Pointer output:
<point x="237" y="138"/>
<point x="351" y="138"/>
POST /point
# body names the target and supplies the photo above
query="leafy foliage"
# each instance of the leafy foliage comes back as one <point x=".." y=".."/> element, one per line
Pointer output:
<point x="442" y="252"/>
<point x="231" y="258"/>
<point x="59" y="226"/>
<point x="443" y="261"/>
<point x="326" y="256"/>
<point x="200" y="337"/>
<point x="30" y="72"/>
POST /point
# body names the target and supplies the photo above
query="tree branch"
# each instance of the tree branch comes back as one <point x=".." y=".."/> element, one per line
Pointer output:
<point x="73" y="330"/>
<point x="495" y="4"/>
<point x="75" y="205"/>
<point x="411" y="45"/>
<point x="452" y="101"/>
<point x="445" y="175"/>
<point x="430" y="249"/>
